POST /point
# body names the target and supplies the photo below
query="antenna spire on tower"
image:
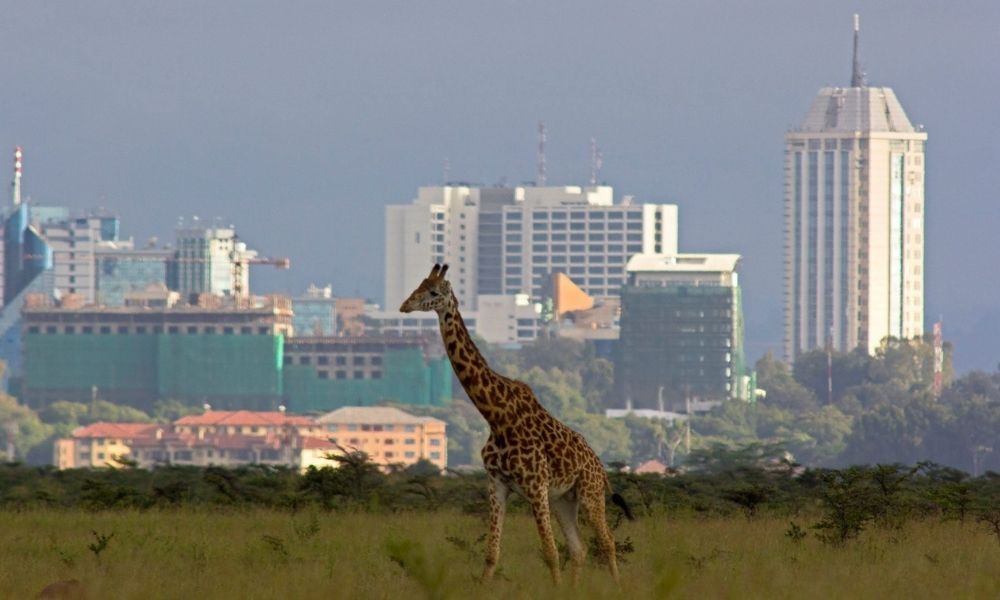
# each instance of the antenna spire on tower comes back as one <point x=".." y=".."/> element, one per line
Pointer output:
<point x="540" y="176"/>
<point x="596" y="161"/>
<point x="16" y="184"/>
<point x="857" y="75"/>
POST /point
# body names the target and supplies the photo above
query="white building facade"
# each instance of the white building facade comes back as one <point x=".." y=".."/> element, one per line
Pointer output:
<point x="508" y="241"/>
<point x="854" y="222"/>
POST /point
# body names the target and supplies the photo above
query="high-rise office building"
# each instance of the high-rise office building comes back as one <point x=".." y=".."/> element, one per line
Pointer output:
<point x="681" y="332"/>
<point x="507" y="241"/>
<point x="854" y="199"/>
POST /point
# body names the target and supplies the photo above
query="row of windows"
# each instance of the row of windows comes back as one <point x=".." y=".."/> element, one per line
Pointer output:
<point x="141" y="329"/>
<point x="357" y="360"/>
<point x="371" y="427"/>
<point x="577" y="226"/>
<point x="579" y="214"/>
<point x="323" y="374"/>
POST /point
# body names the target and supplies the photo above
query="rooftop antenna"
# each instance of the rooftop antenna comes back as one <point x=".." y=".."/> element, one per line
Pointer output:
<point x="16" y="184"/>
<point x="447" y="170"/>
<point x="540" y="176"/>
<point x="857" y="75"/>
<point x="596" y="161"/>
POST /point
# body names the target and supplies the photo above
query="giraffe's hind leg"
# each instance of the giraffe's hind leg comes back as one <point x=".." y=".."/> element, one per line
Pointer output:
<point x="498" y="507"/>
<point x="565" y="509"/>
<point x="592" y="500"/>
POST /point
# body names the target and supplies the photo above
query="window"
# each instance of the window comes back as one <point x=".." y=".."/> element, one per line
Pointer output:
<point x="104" y="329"/>
<point x="331" y="427"/>
<point x="358" y="360"/>
<point x="227" y="330"/>
<point x="323" y="374"/>
<point x="192" y="329"/>
<point x="243" y="330"/>
<point x="409" y="441"/>
<point x="410" y="428"/>
<point x="341" y="360"/>
<point x="359" y="374"/>
<point x="435" y="442"/>
<point x="140" y="329"/>
<point x="436" y="455"/>
<point x="341" y="374"/>
<point x="323" y="360"/>
<point x="87" y="329"/>
<point x="305" y="360"/>
<point x="410" y="454"/>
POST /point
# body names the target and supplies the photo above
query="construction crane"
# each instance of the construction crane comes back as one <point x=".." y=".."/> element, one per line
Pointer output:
<point x="242" y="259"/>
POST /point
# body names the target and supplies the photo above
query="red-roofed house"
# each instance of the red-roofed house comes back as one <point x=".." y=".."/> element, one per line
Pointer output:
<point x="97" y="445"/>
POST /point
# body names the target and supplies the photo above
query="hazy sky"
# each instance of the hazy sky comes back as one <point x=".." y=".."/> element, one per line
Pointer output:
<point x="299" y="121"/>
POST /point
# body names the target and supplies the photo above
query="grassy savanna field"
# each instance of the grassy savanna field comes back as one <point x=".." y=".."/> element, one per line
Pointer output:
<point x="258" y="553"/>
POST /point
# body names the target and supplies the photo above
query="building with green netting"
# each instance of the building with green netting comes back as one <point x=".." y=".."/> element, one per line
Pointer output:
<point x="326" y="373"/>
<point x="681" y="332"/>
<point x="226" y="357"/>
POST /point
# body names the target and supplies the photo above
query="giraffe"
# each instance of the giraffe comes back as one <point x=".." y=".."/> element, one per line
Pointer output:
<point x="529" y="451"/>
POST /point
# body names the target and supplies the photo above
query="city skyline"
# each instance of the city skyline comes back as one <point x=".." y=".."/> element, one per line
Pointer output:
<point x="688" y="118"/>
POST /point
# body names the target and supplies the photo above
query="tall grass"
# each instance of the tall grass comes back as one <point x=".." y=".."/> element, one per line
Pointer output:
<point x="271" y="554"/>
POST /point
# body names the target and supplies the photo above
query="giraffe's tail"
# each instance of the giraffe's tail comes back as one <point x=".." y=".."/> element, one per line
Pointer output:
<point x="620" y="502"/>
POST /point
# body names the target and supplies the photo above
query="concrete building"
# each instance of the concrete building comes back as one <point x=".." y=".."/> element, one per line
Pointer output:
<point x="388" y="435"/>
<point x="854" y="212"/>
<point x="681" y="336"/>
<point x="507" y="241"/>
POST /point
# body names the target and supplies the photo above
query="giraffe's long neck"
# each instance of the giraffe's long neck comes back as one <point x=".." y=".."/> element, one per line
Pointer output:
<point x="480" y="382"/>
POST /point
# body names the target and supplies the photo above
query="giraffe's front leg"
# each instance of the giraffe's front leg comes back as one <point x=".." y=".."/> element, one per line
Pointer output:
<point x="539" y="499"/>
<point x="498" y="506"/>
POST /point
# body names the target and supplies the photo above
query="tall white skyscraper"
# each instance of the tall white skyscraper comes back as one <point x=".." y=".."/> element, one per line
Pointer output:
<point x="854" y="215"/>
<point x="508" y="241"/>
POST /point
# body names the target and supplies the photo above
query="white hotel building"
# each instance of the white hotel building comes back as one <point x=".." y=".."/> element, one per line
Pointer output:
<point x="508" y="241"/>
<point x="854" y="221"/>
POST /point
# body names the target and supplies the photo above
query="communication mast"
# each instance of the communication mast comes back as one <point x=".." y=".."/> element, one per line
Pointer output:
<point x="16" y="184"/>
<point x="540" y="175"/>
<point x="596" y="161"/>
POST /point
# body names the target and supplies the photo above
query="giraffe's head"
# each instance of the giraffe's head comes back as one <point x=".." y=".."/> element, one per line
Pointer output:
<point x="433" y="293"/>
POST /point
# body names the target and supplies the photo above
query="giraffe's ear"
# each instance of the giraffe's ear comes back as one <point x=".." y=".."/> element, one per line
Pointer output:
<point x="444" y="269"/>
<point x="434" y="271"/>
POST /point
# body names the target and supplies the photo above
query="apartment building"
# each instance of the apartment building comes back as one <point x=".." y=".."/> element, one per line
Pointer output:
<point x="388" y="435"/>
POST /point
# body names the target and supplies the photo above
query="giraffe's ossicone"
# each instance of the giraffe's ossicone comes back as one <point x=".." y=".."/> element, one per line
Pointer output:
<point x="529" y="451"/>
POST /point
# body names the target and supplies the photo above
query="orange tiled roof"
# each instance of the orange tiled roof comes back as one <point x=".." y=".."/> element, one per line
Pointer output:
<point x="318" y="443"/>
<point x="117" y="430"/>
<point x="244" y="417"/>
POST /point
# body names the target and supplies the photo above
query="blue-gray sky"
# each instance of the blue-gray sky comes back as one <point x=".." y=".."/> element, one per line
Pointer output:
<point x="299" y="121"/>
